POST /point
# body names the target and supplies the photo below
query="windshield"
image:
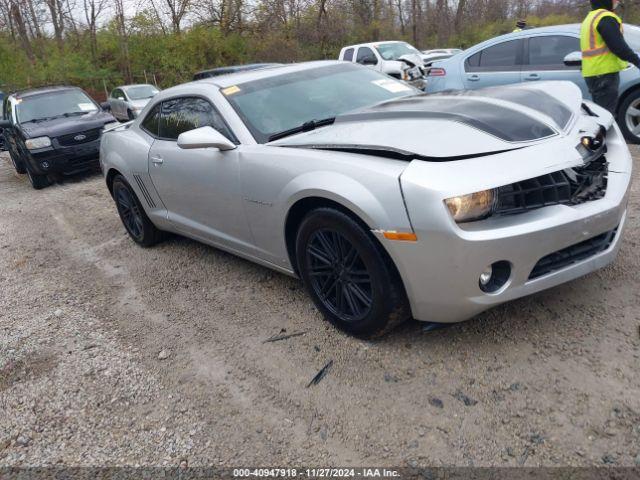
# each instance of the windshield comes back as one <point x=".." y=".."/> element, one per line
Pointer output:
<point x="140" y="92"/>
<point x="632" y="36"/>
<point x="276" y="104"/>
<point x="393" y="51"/>
<point x="55" y="104"/>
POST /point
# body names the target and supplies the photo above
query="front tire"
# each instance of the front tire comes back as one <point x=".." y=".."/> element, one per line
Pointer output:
<point x="348" y="275"/>
<point x="629" y="117"/>
<point x="135" y="220"/>
<point x="17" y="162"/>
<point x="38" y="182"/>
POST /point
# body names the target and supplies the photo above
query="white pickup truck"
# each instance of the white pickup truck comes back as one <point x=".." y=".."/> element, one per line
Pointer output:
<point x="397" y="59"/>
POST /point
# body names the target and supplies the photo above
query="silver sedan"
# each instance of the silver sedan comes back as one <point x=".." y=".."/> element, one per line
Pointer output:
<point x="386" y="202"/>
<point x="127" y="101"/>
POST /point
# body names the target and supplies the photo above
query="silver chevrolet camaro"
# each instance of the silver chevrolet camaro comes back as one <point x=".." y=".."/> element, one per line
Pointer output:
<point x="385" y="201"/>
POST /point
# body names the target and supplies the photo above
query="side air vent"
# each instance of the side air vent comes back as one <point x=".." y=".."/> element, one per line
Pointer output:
<point x="145" y="192"/>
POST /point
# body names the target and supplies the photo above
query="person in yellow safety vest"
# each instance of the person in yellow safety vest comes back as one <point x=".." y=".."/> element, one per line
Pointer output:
<point x="604" y="53"/>
<point x="520" y="25"/>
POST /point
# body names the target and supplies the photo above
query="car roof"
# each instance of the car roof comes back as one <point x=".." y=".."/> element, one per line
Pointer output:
<point x="39" y="91"/>
<point x="136" y="85"/>
<point x="237" y="68"/>
<point x="237" y="78"/>
<point x="372" y="44"/>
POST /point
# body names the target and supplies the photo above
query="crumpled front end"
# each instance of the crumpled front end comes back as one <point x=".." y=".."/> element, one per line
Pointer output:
<point x="553" y="235"/>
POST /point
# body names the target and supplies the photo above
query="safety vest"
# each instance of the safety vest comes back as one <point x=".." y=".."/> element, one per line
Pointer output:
<point x="517" y="30"/>
<point x="597" y="59"/>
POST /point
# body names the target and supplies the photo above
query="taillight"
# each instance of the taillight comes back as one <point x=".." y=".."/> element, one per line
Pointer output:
<point x="436" y="72"/>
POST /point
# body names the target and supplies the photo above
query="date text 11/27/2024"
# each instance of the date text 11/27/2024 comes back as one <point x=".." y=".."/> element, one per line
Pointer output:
<point x="316" y="472"/>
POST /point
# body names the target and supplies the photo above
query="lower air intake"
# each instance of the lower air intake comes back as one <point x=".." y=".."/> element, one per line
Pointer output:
<point x="573" y="254"/>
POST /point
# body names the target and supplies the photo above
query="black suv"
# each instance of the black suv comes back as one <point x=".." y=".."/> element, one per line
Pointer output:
<point x="52" y="131"/>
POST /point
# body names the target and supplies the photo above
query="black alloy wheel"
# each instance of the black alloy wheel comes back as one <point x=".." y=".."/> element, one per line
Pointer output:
<point x="348" y="274"/>
<point x="129" y="213"/>
<point x="133" y="216"/>
<point x="338" y="275"/>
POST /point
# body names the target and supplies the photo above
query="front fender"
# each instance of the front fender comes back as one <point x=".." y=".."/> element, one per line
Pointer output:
<point x="376" y="211"/>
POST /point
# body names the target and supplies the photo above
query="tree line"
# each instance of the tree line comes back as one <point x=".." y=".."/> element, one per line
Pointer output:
<point x="99" y="43"/>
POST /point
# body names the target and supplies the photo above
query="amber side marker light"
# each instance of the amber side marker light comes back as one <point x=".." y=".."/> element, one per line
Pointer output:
<point x="402" y="236"/>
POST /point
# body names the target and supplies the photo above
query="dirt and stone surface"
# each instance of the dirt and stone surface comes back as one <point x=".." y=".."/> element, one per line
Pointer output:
<point x="111" y="354"/>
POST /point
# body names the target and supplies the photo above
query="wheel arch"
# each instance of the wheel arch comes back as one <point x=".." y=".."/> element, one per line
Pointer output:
<point x="112" y="173"/>
<point x="626" y="94"/>
<point x="303" y="206"/>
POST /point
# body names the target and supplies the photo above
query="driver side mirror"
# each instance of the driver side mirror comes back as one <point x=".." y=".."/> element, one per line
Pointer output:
<point x="6" y="124"/>
<point x="574" y="59"/>
<point x="369" y="60"/>
<point x="205" y="137"/>
<point x="105" y="106"/>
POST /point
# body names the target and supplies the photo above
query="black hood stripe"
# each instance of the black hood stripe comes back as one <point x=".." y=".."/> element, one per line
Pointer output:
<point x="504" y="123"/>
<point x="534" y="99"/>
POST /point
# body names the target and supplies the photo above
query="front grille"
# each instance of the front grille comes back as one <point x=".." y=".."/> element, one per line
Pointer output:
<point x="573" y="254"/>
<point x="569" y="187"/>
<point x="79" y="137"/>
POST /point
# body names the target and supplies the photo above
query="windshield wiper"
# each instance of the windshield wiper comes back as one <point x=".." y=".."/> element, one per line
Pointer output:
<point x="74" y="114"/>
<point x="305" y="127"/>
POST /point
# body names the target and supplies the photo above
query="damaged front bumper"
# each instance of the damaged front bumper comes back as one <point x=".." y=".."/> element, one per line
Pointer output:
<point x="538" y="248"/>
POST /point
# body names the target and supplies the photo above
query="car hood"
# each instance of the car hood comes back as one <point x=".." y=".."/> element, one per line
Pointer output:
<point x="413" y="58"/>
<point x="451" y="125"/>
<point x="66" y="125"/>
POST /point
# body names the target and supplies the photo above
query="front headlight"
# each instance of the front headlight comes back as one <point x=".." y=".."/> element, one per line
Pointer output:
<point x="38" y="142"/>
<point x="474" y="206"/>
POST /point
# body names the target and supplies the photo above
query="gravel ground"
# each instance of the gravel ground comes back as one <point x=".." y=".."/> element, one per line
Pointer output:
<point x="111" y="354"/>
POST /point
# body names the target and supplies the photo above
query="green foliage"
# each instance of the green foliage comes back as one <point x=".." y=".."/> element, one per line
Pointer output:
<point x="152" y="54"/>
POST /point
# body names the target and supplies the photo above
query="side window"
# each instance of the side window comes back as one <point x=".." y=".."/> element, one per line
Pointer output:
<point x="183" y="114"/>
<point x="548" y="52"/>
<point x="152" y="121"/>
<point x="473" y="60"/>
<point x="348" y="55"/>
<point x="365" y="53"/>
<point x="497" y="58"/>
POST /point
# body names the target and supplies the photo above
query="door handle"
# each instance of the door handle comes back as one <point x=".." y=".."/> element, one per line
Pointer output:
<point x="532" y="76"/>
<point x="473" y="78"/>
<point x="156" y="160"/>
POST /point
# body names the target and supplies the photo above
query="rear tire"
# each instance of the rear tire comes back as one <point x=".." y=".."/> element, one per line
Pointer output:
<point x="135" y="220"/>
<point x="629" y="117"/>
<point x="38" y="182"/>
<point x="349" y="276"/>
